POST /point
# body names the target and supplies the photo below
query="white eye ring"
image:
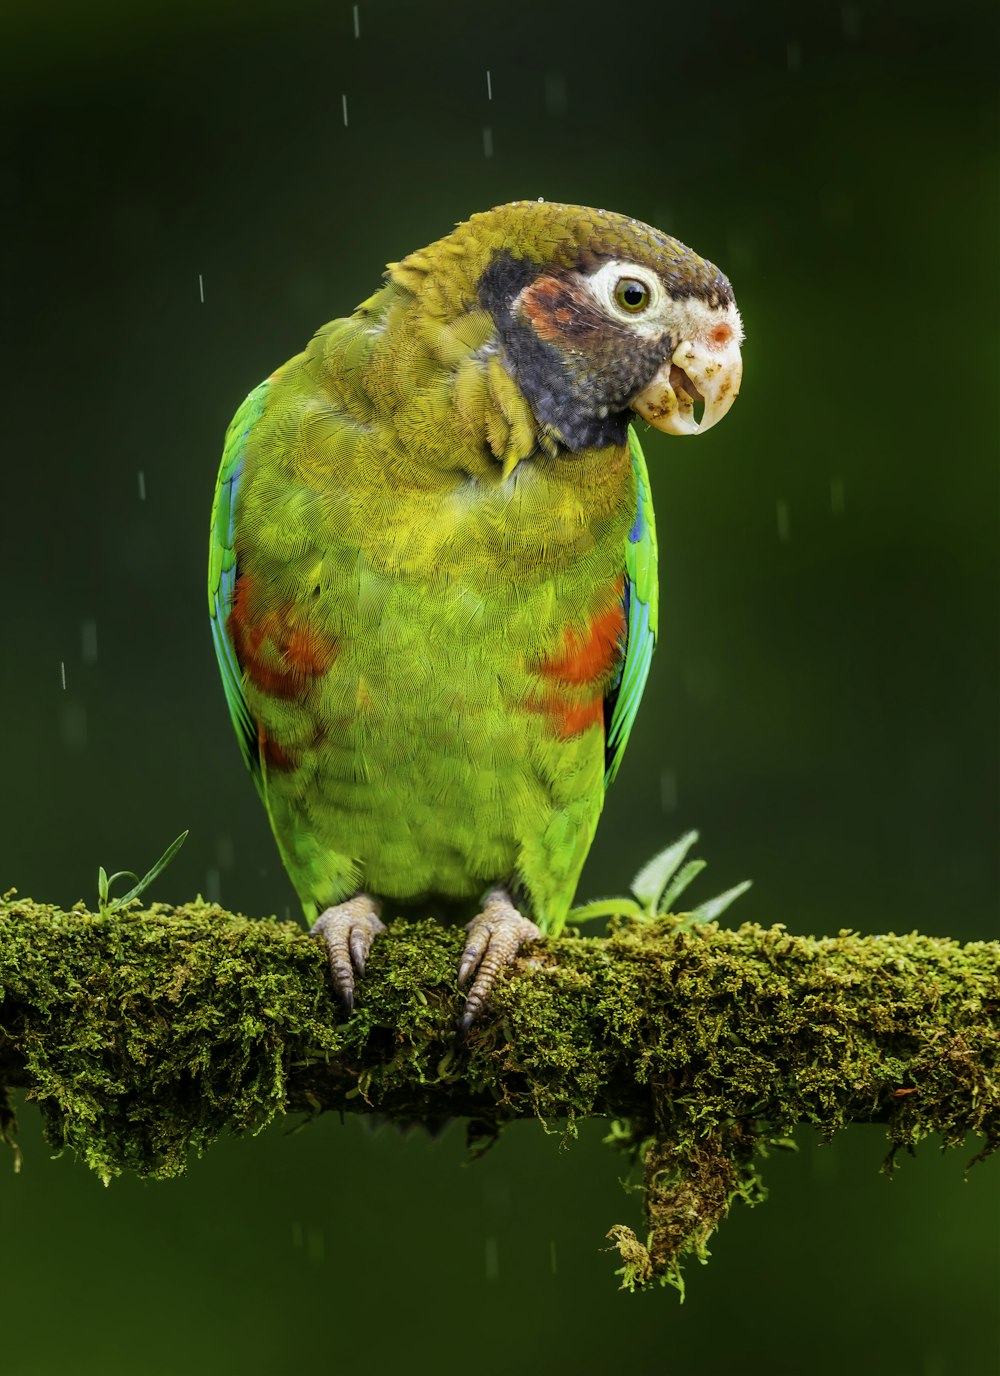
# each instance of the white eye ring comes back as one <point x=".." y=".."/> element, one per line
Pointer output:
<point x="607" y="282"/>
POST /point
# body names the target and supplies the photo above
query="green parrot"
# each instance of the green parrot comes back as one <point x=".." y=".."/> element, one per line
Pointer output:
<point x="432" y="579"/>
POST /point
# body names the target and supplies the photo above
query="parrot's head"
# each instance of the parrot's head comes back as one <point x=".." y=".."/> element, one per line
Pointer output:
<point x="598" y="316"/>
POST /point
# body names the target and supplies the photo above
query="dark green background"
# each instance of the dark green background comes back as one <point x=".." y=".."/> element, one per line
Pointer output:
<point x="823" y="705"/>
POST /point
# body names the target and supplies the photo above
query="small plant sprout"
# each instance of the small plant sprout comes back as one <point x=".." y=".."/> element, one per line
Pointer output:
<point x="657" y="887"/>
<point x="106" y="904"/>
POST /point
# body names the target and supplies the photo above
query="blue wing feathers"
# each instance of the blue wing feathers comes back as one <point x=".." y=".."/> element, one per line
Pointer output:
<point x="641" y="597"/>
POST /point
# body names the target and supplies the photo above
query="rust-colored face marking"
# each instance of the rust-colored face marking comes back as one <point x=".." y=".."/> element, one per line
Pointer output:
<point x="560" y="310"/>
<point x="279" y="649"/>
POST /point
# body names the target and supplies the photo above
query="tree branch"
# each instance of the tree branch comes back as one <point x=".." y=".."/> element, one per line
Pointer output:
<point x="144" y="1033"/>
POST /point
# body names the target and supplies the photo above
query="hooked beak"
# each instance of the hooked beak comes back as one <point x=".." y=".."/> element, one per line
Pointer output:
<point x="705" y="369"/>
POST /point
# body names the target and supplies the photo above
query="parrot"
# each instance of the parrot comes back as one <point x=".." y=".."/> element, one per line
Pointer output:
<point x="433" y="570"/>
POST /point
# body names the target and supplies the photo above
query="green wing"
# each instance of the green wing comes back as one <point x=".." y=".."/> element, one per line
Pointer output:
<point x="222" y="575"/>
<point x="641" y="610"/>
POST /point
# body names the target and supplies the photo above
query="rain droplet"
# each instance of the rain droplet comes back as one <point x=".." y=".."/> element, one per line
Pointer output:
<point x="213" y="886"/>
<point x="142" y="486"/>
<point x="838" y="496"/>
<point x="793" y="54"/>
<point x="492" y="1259"/>
<point x="343" y="103"/>
<point x="784" y="525"/>
<point x="62" y="673"/>
<point x="496" y="1194"/>
<point x="73" y="725"/>
<point x="552" y="1256"/>
<point x="225" y="852"/>
<point x="357" y="23"/>
<point x="315" y="1245"/>
<point x="201" y="288"/>
<point x="555" y="93"/>
<point x="88" y="642"/>
<point x="487" y="142"/>
<point x="668" y="790"/>
<point x="489" y="85"/>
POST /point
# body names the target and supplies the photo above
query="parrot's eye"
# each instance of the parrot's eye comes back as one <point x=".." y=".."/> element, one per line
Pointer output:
<point x="632" y="295"/>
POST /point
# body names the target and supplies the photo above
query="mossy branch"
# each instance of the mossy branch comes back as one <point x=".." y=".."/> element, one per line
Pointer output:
<point x="143" y="1034"/>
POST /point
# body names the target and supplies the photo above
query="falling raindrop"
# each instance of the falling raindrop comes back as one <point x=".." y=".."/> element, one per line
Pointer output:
<point x="201" y="288"/>
<point x="487" y="142"/>
<point x="556" y="99"/>
<point x="552" y="1256"/>
<point x="496" y="1194"/>
<point x="489" y="86"/>
<point x="343" y="103"/>
<point x="357" y="23"/>
<point x="838" y="496"/>
<point x="288" y="913"/>
<point x="784" y="527"/>
<point x="142" y="486"/>
<point x="73" y="725"/>
<point x="492" y="1259"/>
<point x="62" y="673"/>
<point x="88" y="641"/>
<point x="824" y="1162"/>
<point x="225" y="852"/>
<point x="213" y="886"/>
<point x="315" y="1245"/>
<point x="850" y="22"/>
<point x="793" y="53"/>
<point x="668" y="790"/>
<point x="740" y="251"/>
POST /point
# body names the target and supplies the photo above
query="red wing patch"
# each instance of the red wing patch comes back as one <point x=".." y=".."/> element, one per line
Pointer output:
<point x="279" y="649"/>
<point x="590" y="658"/>
<point x="585" y="661"/>
<point x="272" y="755"/>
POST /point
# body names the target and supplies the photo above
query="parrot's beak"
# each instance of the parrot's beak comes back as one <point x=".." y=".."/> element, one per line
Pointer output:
<point x="706" y="369"/>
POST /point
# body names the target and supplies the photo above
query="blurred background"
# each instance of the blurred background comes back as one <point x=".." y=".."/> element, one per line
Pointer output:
<point x="189" y="190"/>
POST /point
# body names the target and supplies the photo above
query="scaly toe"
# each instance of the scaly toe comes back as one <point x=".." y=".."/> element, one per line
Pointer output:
<point x="348" y="931"/>
<point x="495" y="938"/>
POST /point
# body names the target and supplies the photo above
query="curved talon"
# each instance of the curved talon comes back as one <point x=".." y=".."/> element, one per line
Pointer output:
<point x="495" y="938"/>
<point x="348" y="930"/>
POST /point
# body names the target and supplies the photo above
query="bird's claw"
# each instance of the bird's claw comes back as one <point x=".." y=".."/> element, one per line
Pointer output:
<point x="348" y="931"/>
<point x="495" y="938"/>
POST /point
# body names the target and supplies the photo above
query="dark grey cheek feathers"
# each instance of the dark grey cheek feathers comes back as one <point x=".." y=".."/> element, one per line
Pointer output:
<point x="581" y="399"/>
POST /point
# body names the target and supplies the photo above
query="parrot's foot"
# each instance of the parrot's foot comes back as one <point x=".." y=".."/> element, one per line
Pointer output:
<point x="495" y="937"/>
<point x="348" y="931"/>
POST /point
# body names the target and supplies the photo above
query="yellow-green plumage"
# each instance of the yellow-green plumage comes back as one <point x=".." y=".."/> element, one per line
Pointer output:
<point x="425" y="598"/>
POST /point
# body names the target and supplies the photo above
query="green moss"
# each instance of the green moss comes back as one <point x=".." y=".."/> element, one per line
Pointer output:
<point x="145" y="1034"/>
